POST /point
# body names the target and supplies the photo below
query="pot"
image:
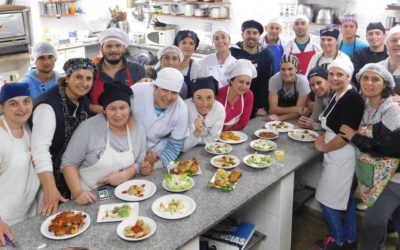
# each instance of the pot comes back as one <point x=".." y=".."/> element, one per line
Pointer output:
<point x="305" y="10"/>
<point x="213" y="12"/>
<point x="199" y="12"/>
<point x="324" y="16"/>
<point x="189" y="10"/>
<point x="223" y="12"/>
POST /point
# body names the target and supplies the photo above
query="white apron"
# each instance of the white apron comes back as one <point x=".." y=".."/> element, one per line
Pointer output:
<point x="236" y="119"/>
<point x="19" y="184"/>
<point x="338" y="166"/>
<point x="110" y="161"/>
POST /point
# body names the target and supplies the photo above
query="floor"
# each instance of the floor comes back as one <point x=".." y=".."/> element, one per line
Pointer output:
<point x="309" y="226"/>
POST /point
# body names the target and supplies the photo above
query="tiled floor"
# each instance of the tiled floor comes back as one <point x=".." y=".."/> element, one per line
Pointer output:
<point x="309" y="226"/>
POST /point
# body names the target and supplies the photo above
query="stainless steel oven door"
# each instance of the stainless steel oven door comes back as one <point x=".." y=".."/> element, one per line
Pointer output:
<point x="11" y="25"/>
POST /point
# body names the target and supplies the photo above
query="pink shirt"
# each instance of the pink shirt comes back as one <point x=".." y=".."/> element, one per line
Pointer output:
<point x="236" y="110"/>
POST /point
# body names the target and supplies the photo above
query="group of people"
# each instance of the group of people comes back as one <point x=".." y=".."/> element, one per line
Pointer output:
<point x="105" y="123"/>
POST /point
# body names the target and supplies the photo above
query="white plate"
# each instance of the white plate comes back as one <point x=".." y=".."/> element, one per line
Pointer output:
<point x="189" y="208"/>
<point x="263" y="145"/>
<point x="219" y="148"/>
<point x="273" y="125"/>
<point x="103" y="209"/>
<point x="149" y="190"/>
<point x="131" y="222"/>
<point x="257" y="133"/>
<point x="224" y="189"/>
<point x="174" y="165"/>
<point x="243" y="138"/>
<point x="44" y="228"/>
<point x="246" y="158"/>
<point x="218" y="165"/>
<point x="164" y="185"/>
<point x="303" y="135"/>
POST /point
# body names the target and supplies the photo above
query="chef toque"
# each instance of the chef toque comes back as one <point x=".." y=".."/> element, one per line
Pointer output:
<point x="240" y="67"/>
<point x="276" y="20"/>
<point x="301" y="17"/>
<point x="392" y="31"/>
<point x="224" y="30"/>
<point x="114" y="34"/>
<point x="170" y="79"/>
<point x="343" y="63"/>
<point x="378" y="69"/>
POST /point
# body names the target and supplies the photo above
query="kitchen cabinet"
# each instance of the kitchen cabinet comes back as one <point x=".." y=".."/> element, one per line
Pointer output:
<point x="205" y="10"/>
<point x="64" y="54"/>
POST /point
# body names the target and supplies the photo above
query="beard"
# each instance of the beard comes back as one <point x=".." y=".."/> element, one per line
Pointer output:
<point x="113" y="61"/>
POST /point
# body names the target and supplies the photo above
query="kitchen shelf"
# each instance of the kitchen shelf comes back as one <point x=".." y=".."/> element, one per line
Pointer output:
<point x="196" y="17"/>
<point x="192" y="2"/>
<point x="59" y="1"/>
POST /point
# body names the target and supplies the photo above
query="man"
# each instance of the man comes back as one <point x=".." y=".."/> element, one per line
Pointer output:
<point x="164" y="116"/>
<point x="392" y="63"/>
<point x="113" y="68"/>
<point x="351" y="42"/>
<point x="304" y="45"/>
<point x="262" y="58"/>
<point x="376" y="51"/>
<point x="272" y="40"/>
<point x="42" y="77"/>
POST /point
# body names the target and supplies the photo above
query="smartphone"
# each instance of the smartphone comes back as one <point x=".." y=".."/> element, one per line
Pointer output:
<point x="103" y="193"/>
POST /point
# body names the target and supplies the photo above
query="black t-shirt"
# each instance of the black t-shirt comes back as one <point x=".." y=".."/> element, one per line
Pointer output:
<point x="348" y="110"/>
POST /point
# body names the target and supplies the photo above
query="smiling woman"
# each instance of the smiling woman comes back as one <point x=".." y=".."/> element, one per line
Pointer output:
<point x="57" y="113"/>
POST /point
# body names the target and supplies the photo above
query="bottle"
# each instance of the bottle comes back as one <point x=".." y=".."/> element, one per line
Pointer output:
<point x="47" y="36"/>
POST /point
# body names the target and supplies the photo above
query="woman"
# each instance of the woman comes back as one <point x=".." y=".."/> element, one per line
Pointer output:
<point x="187" y="41"/>
<point x="319" y="85"/>
<point x="105" y="149"/>
<point x="377" y="141"/>
<point x="215" y="64"/>
<point x="206" y="116"/>
<point x="329" y="40"/>
<point x="334" y="191"/>
<point x="288" y="91"/>
<point x="237" y="97"/>
<point x="19" y="182"/>
<point x="57" y="113"/>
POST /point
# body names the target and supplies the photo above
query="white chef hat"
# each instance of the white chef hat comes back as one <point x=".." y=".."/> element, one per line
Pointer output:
<point x="43" y="49"/>
<point x="392" y="31"/>
<point x="302" y="17"/>
<point x="114" y="34"/>
<point x="378" y="69"/>
<point x="221" y="30"/>
<point x="170" y="79"/>
<point x="240" y="67"/>
<point x="344" y="64"/>
<point x="276" y="20"/>
<point x="169" y="48"/>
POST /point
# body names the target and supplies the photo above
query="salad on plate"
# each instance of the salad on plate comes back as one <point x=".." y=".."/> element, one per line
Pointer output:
<point x="257" y="160"/>
<point x="177" y="183"/>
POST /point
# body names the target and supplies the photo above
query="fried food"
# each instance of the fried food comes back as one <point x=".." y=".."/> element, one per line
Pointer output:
<point x="267" y="135"/>
<point x="67" y="223"/>
<point x="188" y="166"/>
<point x="229" y="135"/>
<point x="139" y="230"/>
<point x="234" y="176"/>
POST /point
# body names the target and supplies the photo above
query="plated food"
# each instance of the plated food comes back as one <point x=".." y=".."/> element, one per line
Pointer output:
<point x="189" y="167"/>
<point x="303" y="135"/>
<point x="177" y="183"/>
<point x="280" y="126"/>
<point x="263" y="145"/>
<point x="225" y="161"/>
<point x="117" y="211"/>
<point x="218" y="148"/>
<point x="232" y="137"/>
<point x="257" y="160"/>
<point x="174" y="206"/>
<point x="65" y="225"/>
<point x="266" y="134"/>
<point x="135" y="190"/>
<point x="225" y="180"/>
<point x="136" y="228"/>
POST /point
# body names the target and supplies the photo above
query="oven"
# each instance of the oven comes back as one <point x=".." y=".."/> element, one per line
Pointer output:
<point x="15" y="35"/>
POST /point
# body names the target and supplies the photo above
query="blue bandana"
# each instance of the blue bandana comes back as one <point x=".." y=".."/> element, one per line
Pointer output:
<point x="12" y="90"/>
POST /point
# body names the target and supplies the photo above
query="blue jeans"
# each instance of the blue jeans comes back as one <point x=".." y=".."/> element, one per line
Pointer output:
<point x="342" y="224"/>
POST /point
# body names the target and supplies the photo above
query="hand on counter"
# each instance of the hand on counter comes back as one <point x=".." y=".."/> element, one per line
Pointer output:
<point x="84" y="197"/>
<point x="146" y="168"/>
<point x="261" y="112"/>
<point x="50" y="201"/>
<point x="305" y="122"/>
<point x="5" y="231"/>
